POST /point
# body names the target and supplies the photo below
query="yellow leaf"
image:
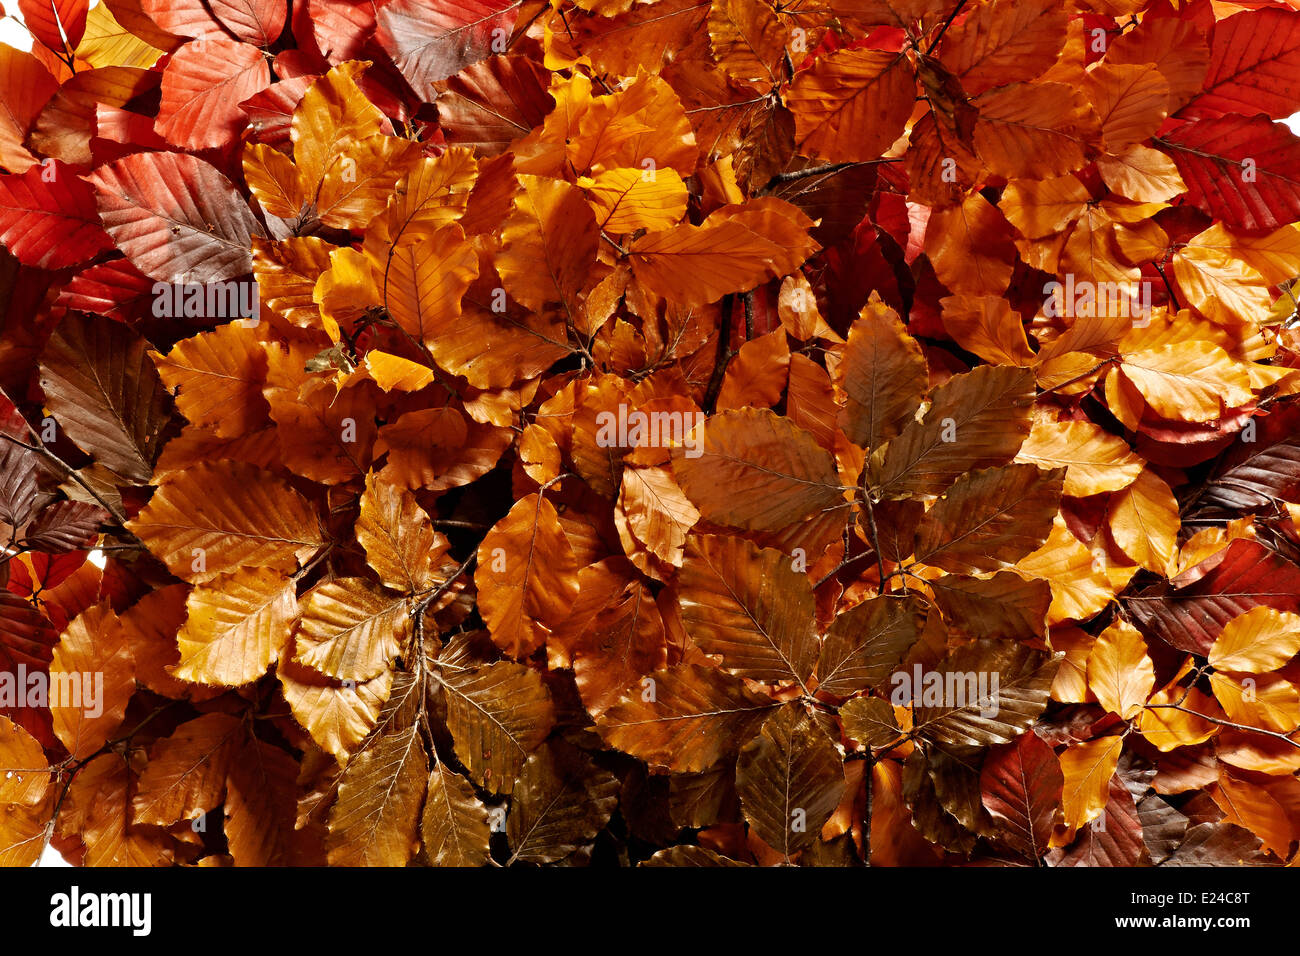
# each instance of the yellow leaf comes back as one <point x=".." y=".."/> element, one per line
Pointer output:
<point x="433" y="193"/>
<point x="394" y="372"/>
<point x="1042" y="207"/>
<point x="217" y="379"/>
<point x="24" y="771"/>
<point x="1192" y="381"/>
<point x="1142" y="174"/>
<point x="345" y="290"/>
<point x="625" y="200"/>
<point x="107" y="43"/>
<point x="1095" y="460"/>
<point x="1258" y="641"/>
<point x="1070" y="686"/>
<point x="1219" y="284"/>
<point x="338" y="716"/>
<point x="1274" y="255"/>
<point x="274" y="180"/>
<point x="1175" y="716"/>
<point x="1258" y="700"/>
<point x="646" y="121"/>
<point x="236" y="627"/>
<point x="357" y="186"/>
<point x="1079" y="588"/>
<point x="1144" y="522"/>
<point x="287" y="272"/>
<point x="1120" y="672"/>
<point x="332" y="115"/>
<point x="1087" y="768"/>
<point x="351" y="629"/>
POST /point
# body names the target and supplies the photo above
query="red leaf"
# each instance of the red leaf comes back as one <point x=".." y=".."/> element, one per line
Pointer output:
<point x="430" y="40"/>
<point x="1211" y="155"/>
<point x="1190" y="611"/>
<point x="256" y="21"/>
<point x="176" y="217"/>
<point x="47" y="217"/>
<point x="43" y="18"/>
<point x="341" y="27"/>
<point x="202" y="88"/>
<point x="1021" y="787"/>
<point x="106" y="288"/>
<point x="271" y="111"/>
<point x="1254" y="67"/>
<point x="26" y="639"/>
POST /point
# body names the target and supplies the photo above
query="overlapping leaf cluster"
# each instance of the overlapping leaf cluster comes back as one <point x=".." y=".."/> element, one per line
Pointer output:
<point x="375" y="585"/>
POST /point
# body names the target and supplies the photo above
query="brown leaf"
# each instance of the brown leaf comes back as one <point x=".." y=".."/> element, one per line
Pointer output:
<point x="374" y="822"/>
<point x="747" y="605"/>
<point x="497" y="716"/>
<point x="790" y="778"/>
<point x="686" y="719"/>
<point x="455" y="822"/>
<point x="990" y="519"/>
<point x="186" y="773"/>
<point x="976" y="420"/>
<point x="560" y="803"/>
<point x="755" y="470"/>
<point x="104" y="391"/>
<point x="526" y="576"/>
<point x="973" y="710"/>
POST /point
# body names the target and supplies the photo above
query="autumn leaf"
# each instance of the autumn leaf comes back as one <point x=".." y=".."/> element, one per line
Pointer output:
<point x="789" y="779"/>
<point x="374" y="822"/>
<point x="523" y="593"/>
<point x="749" y="607"/>
<point x="1120" y="672"/>
<point x="685" y="719"/>
<point x="649" y="432"/>
<point x="1021" y="785"/>
<point x="221" y="517"/>
<point x="756" y="471"/>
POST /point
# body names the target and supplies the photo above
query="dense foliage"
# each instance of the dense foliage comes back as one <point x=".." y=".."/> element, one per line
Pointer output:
<point x="609" y="431"/>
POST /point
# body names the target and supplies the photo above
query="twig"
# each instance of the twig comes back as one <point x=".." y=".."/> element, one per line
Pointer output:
<point x="1173" y="296"/>
<point x="68" y="472"/>
<point x="1228" y="723"/>
<point x="796" y="174"/>
<point x="875" y="542"/>
<point x="721" y="357"/>
<point x="944" y="29"/>
<point x="419" y="609"/>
